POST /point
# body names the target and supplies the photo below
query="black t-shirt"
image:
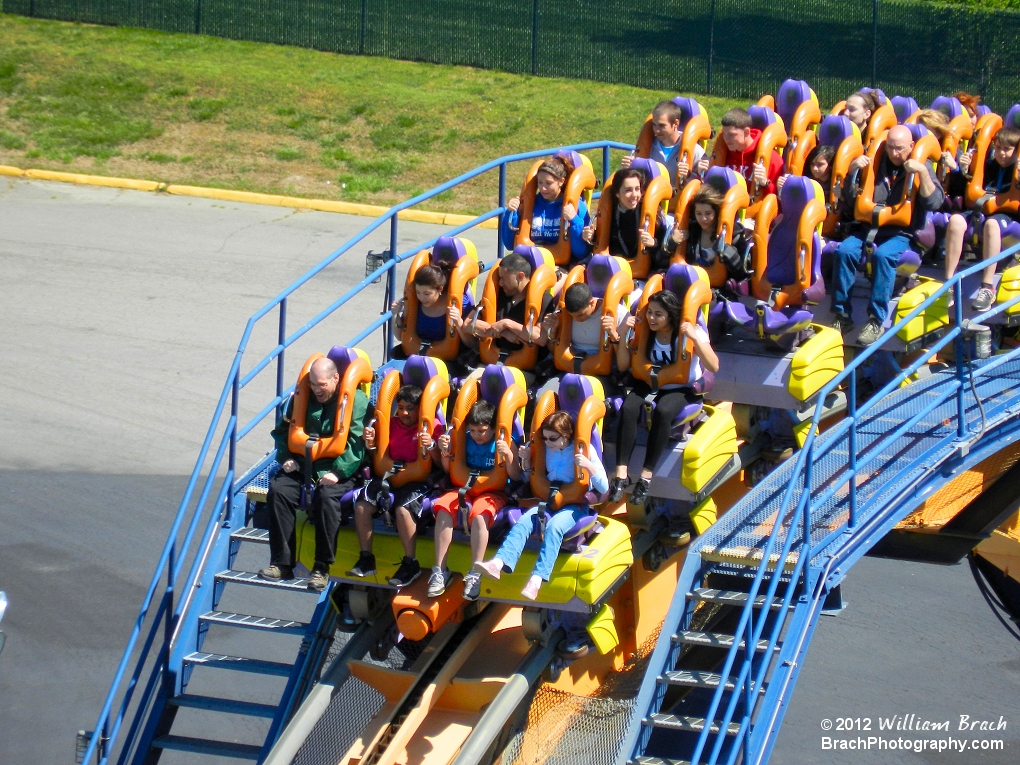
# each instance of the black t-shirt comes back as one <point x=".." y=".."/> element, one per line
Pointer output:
<point x="506" y="309"/>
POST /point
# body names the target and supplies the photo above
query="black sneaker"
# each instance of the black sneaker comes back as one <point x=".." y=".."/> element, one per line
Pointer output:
<point x="616" y="487"/>
<point x="639" y="493"/>
<point x="364" y="567"/>
<point x="871" y="332"/>
<point x="410" y="569"/>
<point x="842" y="323"/>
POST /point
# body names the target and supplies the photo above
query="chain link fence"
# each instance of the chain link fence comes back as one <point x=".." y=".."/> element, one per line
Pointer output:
<point x="735" y="48"/>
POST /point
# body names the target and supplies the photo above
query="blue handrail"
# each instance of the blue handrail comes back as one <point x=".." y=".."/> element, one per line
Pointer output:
<point x="170" y="562"/>
<point x="812" y="574"/>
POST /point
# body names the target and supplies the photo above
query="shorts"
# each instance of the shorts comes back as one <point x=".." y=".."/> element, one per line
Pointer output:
<point x="488" y="504"/>
<point x="411" y="495"/>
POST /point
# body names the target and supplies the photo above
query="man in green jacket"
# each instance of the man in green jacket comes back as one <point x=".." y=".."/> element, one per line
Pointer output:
<point x="333" y="477"/>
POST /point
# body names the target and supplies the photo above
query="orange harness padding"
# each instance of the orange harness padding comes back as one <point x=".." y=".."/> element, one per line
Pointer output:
<point x="698" y="295"/>
<point x="735" y="199"/>
<point x="592" y="410"/>
<point x="697" y="129"/>
<point x="514" y="398"/>
<point x="848" y="150"/>
<point x="658" y="192"/>
<point x="881" y="120"/>
<point x="619" y="287"/>
<point x="358" y="372"/>
<point x="811" y="217"/>
<point x="433" y="397"/>
<point x="802" y="135"/>
<point x="581" y="181"/>
<point x="464" y="271"/>
<point x="543" y="279"/>
<point x="926" y="149"/>
<point x="773" y="138"/>
<point x="987" y="126"/>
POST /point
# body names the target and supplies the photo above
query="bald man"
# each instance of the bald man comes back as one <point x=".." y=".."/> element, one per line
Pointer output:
<point x="894" y="167"/>
<point x="333" y="478"/>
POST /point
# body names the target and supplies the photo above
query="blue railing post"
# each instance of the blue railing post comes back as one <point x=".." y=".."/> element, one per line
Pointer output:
<point x="282" y="340"/>
<point x="502" y="203"/>
<point x="235" y="394"/>
<point x="605" y="166"/>
<point x="391" y="275"/>
<point x="961" y="429"/>
<point x="852" y="445"/>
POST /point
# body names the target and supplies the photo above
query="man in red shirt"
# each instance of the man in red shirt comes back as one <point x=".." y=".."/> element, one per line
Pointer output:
<point x="741" y="145"/>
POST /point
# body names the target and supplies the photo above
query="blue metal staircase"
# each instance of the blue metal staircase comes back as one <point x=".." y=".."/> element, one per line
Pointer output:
<point x="752" y="588"/>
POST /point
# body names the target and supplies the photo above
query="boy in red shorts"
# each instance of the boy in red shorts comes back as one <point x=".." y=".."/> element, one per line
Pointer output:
<point x="407" y="499"/>
<point x="481" y="448"/>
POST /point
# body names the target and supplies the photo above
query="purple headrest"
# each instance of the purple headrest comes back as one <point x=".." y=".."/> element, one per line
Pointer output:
<point x="599" y="271"/>
<point x="792" y="93"/>
<point x="448" y="249"/>
<point x="342" y="357"/>
<point x="647" y="166"/>
<point x="572" y="158"/>
<point x="948" y="105"/>
<point x="418" y="370"/>
<point x="721" y="178"/>
<point x="761" y="116"/>
<point x="1012" y="118"/>
<point x="834" y="129"/>
<point x="982" y="110"/>
<point x="688" y="108"/>
<point x="531" y="254"/>
<point x="904" y="106"/>
<point x="878" y="93"/>
<point x="494" y="382"/>
<point x="917" y="131"/>
<point x="796" y="193"/>
<point x="679" y="278"/>
<point x="574" y="389"/>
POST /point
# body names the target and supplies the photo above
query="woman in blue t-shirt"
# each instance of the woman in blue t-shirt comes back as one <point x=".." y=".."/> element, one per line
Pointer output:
<point x="549" y="211"/>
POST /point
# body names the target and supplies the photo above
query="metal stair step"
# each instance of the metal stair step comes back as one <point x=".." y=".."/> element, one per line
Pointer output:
<point x="657" y="761"/>
<point x="697" y="679"/>
<point x="730" y="598"/>
<point x="222" y="661"/>
<point x="230" y="706"/>
<point x="694" y="724"/>
<point x="207" y="746"/>
<point x="250" y="577"/>
<point x="249" y="534"/>
<point x="279" y="626"/>
<point x="714" y="640"/>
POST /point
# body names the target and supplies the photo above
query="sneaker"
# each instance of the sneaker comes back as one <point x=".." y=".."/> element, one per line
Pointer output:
<point x="438" y="581"/>
<point x="530" y="590"/>
<point x="950" y="300"/>
<point x="410" y="569"/>
<point x="317" y="581"/>
<point x="616" y="487"/>
<point x="639" y="493"/>
<point x="842" y="323"/>
<point x="983" y="300"/>
<point x="472" y="584"/>
<point x="491" y="568"/>
<point x="364" y="567"/>
<point x="871" y="332"/>
<point x="276" y="573"/>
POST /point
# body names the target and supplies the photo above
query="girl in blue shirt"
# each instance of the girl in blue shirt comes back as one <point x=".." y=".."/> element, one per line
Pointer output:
<point x="549" y="211"/>
<point x="558" y="436"/>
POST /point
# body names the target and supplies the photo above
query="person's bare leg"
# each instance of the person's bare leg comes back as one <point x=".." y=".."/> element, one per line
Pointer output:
<point x="991" y="246"/>
<point x="955" y="232"/>
<point x="479" y="538"/>
<point x="621" y="471"/>
<point x="444" y="537"/>
<point x="363" y="512"/>
<point x="406" y="530"/>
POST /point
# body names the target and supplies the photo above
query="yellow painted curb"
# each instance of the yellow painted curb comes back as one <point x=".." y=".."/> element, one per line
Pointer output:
<point x="247" y="197"/>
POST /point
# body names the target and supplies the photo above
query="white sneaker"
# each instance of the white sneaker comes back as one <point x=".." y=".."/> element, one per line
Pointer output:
<point x="472" y="585"/>
<point x="438" y="581"/>
<point x="983" y="300"/>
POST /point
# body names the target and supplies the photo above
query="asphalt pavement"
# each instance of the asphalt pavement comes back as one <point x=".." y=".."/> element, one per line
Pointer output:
<point x="121" y="313"/>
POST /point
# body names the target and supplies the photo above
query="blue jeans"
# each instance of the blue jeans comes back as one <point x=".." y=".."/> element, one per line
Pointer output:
<point x="884" y="259"/>
<point x="512" y="547"/>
